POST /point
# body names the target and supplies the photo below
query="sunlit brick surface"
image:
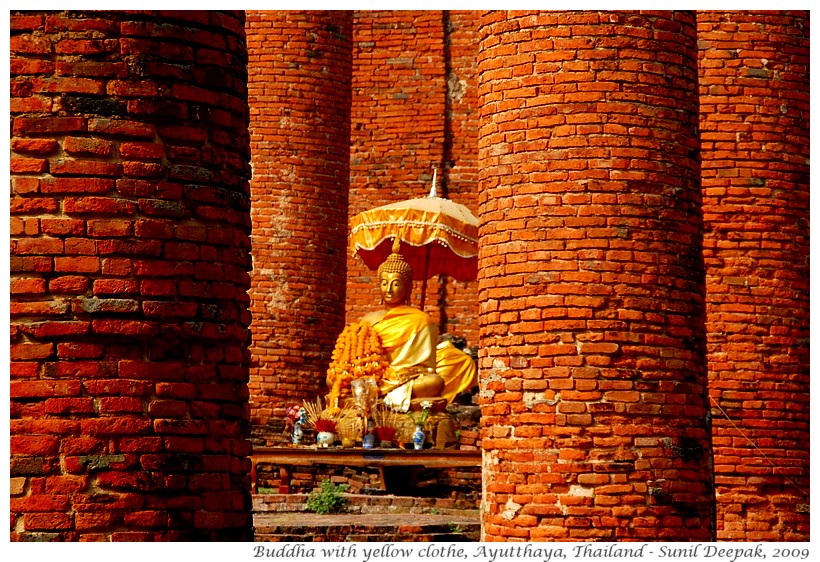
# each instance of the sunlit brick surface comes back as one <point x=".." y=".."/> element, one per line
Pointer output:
<point x="591" y="284"/>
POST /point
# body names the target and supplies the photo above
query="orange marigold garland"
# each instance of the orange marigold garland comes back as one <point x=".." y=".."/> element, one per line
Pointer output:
<point x="358" y="353"/>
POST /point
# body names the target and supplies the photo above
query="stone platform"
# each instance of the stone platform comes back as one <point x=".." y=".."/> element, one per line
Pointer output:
<point x="383" y="527"/>
<point x="283" y="518"/>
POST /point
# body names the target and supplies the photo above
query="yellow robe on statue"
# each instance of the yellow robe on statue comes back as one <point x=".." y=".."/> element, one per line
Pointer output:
<point x="409" y="336"/>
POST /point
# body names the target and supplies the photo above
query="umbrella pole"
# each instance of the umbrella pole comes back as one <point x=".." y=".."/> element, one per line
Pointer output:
<point x="424" y="279"/>
<point x="423" y="290"/>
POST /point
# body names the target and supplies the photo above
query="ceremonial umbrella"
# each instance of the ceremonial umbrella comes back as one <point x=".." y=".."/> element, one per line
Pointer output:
<point x="437" y="236"/>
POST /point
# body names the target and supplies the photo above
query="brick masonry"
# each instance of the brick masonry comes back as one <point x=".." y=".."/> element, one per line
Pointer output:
<point x="591" y="279"/>
<point x="299" y="94"/>
<point x="129" y="256"/>
<point x="754" y="104"/>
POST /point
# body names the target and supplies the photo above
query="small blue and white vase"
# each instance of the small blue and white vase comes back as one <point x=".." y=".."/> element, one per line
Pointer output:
<point x="369" y="441"/>
<point x="298" y="432"/>
<point x="418" y="439"/>
<point x="296" y="436"/>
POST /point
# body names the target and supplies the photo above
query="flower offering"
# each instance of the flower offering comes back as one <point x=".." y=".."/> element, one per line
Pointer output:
<point x="358" y="353"/>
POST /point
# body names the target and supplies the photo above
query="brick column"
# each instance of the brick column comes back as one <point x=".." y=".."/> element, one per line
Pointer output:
<point x="129" y="257"/>
<point x="299" y="94"/>
<point x="754" y="85"/>
<point x="591" y="280"/>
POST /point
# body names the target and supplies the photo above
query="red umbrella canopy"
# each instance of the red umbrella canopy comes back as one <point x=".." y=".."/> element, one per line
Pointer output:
<point x="437" y="236"/>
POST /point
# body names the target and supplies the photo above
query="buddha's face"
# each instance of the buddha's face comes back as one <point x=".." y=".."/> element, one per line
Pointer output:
<point x="394" y="289"/>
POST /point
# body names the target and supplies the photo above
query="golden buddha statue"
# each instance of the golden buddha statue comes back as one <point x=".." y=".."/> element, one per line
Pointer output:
<point x="418" y="370"/>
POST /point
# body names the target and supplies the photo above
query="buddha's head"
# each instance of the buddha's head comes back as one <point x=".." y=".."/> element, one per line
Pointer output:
<point x="395" y="279"/>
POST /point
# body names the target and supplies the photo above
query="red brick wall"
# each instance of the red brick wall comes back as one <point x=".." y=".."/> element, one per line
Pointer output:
<point x="299" y="94"/>
<point x="754" y="102"/>
<point x="129" y="258"/>
<point x="400" y="129"/>
<point x="590" y="278"/>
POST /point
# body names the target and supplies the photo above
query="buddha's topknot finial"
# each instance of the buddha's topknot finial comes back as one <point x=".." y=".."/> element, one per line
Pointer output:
<point x="395" y="263"/>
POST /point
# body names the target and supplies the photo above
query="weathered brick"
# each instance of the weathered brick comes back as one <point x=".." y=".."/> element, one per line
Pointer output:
<point x="21" y="66"/>
<point x="47" y="521"/>
<point x="108" y="227"/>
<point x="142" y="169"/>
<point x="25" y="22"/>
<point x="35" y="445"/>
<point x="53" y="329"/>
<point x="24" y="126"/>
<point x="62" y="226"/>
<point x="98" y="206"/>
<point x="161" y="309"/>
<point x="132" y="88"/>
<point x="85" y="167"/>
<point x="33" y="389"/>
<point x="119" y="425"/>
<point x="33" y="205"/>
<point x="29" y="44"/>
<point x="38" y="246"/>
<point x="26" y="351"/>
<point x="39" y="308"/>
<point x="115" y="286"/>
<point x="69" y="284"/>
<point x="88" y="146"/>
<point x="124" y="328"/>
<point x="91" y="68"/>
<point x="154" y="228"/>
<point x="61" y="406"/>
<point x="115" y="127"/>
<point x="79" y="351"/>
<point x="77" y="264"/>
<point x="69" y="46"/>
<point x="34" y="146"/>
<point x="21" y="185"/>
<point x="142" y="150"/>
<point x="31" y="104"/>
<point x="158" y="519"/>
<point x="120" y="404"/>
<point x="93" y="520"/>
<point x="27" y="285"/>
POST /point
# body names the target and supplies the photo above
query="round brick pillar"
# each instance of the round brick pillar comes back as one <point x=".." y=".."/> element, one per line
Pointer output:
<point x="299" y="94"/>
<point x="593" y="376"/>
<point x="130" y="222"/>
<point x="754" y="104"/>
